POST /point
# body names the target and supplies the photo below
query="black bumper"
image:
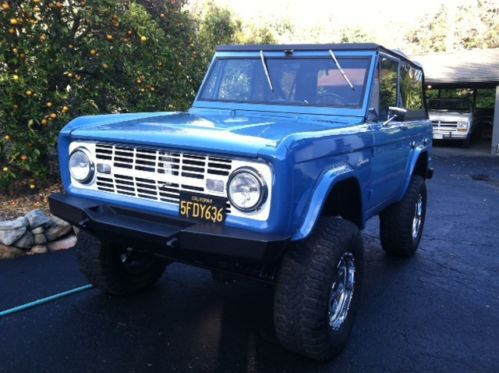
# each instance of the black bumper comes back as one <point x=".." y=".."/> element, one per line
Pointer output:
<point x="173" y="237"/>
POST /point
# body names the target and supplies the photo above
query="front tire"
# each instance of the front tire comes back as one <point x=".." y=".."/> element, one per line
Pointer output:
<point x="401" y="224"/>
<point x="317" y="290"/>
<point x="114" y="268"/>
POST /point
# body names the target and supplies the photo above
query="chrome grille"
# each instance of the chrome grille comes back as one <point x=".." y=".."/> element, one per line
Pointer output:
<point x="444" y="124"/>
<point x="157" y="174"/>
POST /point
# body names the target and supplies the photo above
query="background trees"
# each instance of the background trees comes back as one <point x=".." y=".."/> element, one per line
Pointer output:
<point x="62" y="59"/>
<point x="456" y="27"/>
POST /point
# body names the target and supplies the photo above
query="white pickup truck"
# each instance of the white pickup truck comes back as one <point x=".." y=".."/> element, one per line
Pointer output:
<point x="452" y="119"/>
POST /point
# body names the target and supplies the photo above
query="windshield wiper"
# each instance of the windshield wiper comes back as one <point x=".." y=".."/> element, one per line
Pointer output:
<point x="266" y="70"/>
<point x="341" y="70"/>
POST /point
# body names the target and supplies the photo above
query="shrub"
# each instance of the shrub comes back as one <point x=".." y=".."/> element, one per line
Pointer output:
<point x="62" y="59"/>
<point x="66" y="58"/>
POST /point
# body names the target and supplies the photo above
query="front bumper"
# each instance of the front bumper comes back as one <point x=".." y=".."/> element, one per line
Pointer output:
<point x="171" y="237"/>
<point x="441" y="134"/>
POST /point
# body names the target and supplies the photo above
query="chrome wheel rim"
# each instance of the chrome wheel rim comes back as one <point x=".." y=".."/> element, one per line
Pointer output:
<point x="341" y="294"/>
<point x="418" y="217"/>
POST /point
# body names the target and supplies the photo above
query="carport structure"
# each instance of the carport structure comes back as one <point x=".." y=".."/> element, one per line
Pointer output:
<point x="475" y="70"/>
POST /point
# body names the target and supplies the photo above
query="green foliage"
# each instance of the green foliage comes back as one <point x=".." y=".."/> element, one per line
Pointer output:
<point x="63" y="59"/>
<point x="457" y="27"/>
<point x="354" y="35"/>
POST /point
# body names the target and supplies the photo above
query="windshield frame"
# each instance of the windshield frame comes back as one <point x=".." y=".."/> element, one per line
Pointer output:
<point x="291" y="107"/>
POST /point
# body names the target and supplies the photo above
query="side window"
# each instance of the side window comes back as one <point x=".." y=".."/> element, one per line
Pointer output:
<point x="411" y="92"/>
<point x="388" y="74"/>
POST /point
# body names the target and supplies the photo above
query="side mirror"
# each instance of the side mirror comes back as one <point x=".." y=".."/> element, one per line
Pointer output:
<point x="372" y="115"/>
<point x="395" y="113"/>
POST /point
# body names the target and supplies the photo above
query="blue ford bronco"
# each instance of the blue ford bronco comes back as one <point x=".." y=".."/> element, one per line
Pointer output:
<point x="284" y="155"/>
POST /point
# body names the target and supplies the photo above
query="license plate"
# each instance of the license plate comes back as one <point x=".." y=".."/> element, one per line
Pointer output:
<point x="201" y="207"/>
<point x="437" y="136"/>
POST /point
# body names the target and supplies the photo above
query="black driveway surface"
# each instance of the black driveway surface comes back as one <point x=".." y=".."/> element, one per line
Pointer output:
<point x="438" y="311"/>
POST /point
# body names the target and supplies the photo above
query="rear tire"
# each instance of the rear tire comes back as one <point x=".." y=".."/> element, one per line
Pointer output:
<point x="311" y="315"/>
<point x="401" y="224"/>
<point x="115" y="269"/>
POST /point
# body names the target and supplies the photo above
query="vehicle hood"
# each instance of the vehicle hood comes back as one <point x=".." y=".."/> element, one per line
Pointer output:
<point x="224" y="132"/>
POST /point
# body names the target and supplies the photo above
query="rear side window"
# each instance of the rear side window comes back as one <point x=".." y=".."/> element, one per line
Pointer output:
<point x="411" y="92"/>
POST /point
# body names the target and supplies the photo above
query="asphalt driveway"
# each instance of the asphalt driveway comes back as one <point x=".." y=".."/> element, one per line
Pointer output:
<point x="438" y="311"/>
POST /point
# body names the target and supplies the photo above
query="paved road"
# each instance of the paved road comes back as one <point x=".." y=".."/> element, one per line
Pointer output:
<point x="436" y="312"/>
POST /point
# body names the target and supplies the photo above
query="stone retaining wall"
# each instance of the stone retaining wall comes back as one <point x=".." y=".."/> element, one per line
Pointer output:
<point x="36" y="233"/>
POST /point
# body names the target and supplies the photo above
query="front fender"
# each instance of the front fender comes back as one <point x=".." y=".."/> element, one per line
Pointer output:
<point x="326" y="183"/>
<point x="411" y="165"/>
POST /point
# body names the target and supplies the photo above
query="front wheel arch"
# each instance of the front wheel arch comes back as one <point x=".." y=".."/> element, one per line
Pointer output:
<point x="330" y="188"/>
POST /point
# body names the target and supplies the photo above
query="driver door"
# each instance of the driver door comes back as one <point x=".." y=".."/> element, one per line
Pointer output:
<point x="391" y="139"/>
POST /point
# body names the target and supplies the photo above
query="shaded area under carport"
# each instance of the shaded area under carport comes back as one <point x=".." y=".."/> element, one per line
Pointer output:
<point x="468" y="69"/>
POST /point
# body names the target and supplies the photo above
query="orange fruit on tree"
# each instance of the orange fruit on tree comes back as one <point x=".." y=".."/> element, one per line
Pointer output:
<point x="44" y="122"/>
<point x="24" y="157"/>
<point x="109" y="37"/>
<point x="5" y="169"/>
<point x="59" y="5"/>
<point x="12" y="31"/>
<point x="65" y="109"/>
<point x="143" y="39"/>
<point x="49" y="104"/>
<point x="32" y="186"/>
<point x="104" y="66"/>
<point x="29" y="93"/>
<point x="15" y="77"/>
<point x="14" y="21"/>
<point x="37" y="1"/>
<point x="6" y="138"/>
<point x="93" y="52"/>
<point x="5" y="6"/>
<point x="53" y="116"/>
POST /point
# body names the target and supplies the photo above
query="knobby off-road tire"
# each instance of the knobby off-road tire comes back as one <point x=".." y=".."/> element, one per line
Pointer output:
<point x="113" y="269"/>
<point x="401" y="224"/>
<point x="305" y="290"/>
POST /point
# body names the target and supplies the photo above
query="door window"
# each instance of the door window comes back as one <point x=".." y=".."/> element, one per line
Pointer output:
<point x="411" y="92"/>
<point x="388" y="75"/>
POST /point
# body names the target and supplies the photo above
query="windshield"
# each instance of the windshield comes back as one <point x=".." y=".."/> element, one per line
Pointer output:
<point x="293" y="81"/>
<point x="450" y="105"/>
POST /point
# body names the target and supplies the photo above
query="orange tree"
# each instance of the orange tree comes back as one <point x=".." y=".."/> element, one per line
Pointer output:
<point x="61" y="59"/>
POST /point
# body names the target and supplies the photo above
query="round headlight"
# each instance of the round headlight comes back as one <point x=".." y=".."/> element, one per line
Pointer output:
<point x="246" y="190"/>
<point x="462" y="124"/>
<point x="80" y="166"/>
